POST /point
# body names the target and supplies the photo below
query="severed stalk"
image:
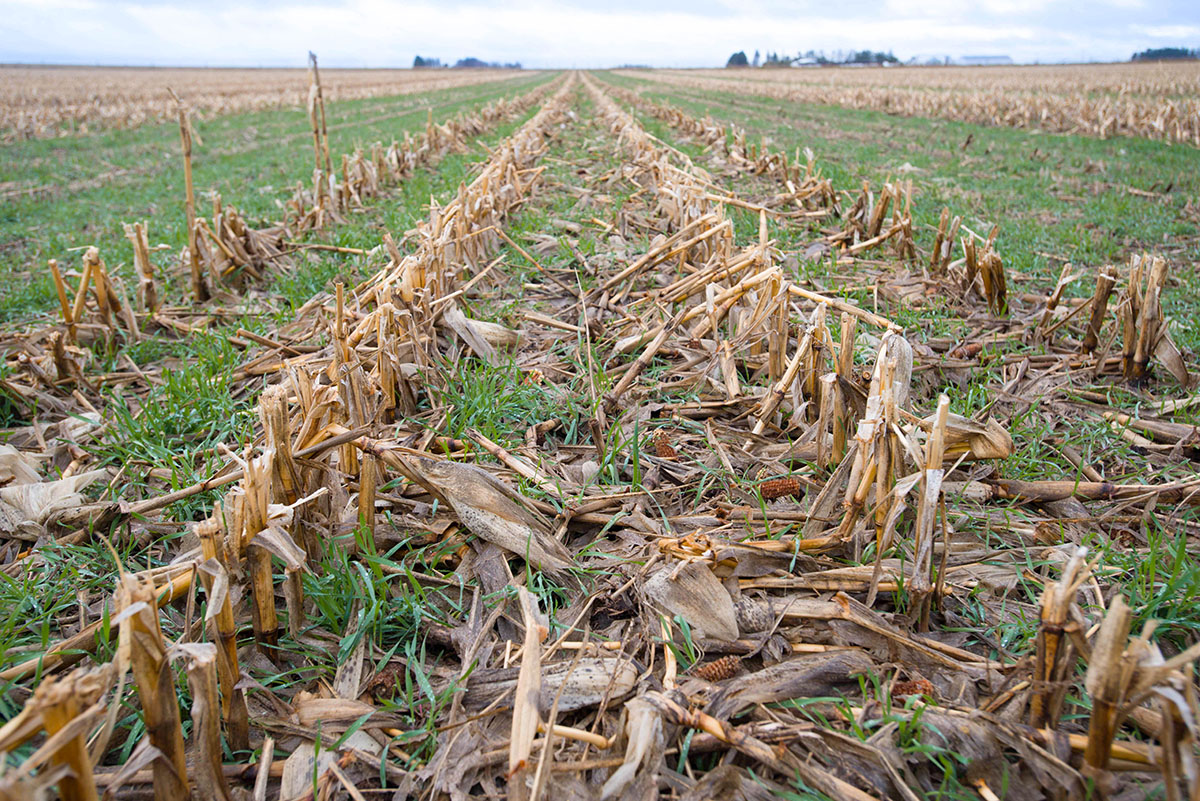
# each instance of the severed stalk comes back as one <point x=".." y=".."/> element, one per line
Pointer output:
<point x="207" y="773"/>
<point x="155" y="680"/>
<point x="930" y="490"/>
<point x="199" y="290"/>
<point x="60" y="288"/>
<point x="223" y="631"/>
<point x="62" y="702"/>
<point x="1104" y="288"/>
<point x="1106" y="680"/>
<point x="264" y="617"/>
<point x="147" y="293"/>
<point x="1056" y="651"/>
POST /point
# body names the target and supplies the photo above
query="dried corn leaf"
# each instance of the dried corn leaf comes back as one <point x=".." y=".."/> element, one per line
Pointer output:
<point x="591" y="681"/>
<point x="975" y="440"/>
<point x="735" y="784"/>
<point x="645" y="741"/>
<point x="1167" y="352"/>
<point x="333" y="714"/>
<point x="493" y="511"/>
<point x="17" y="467"/>
<point x="695" y="594"/>
<point x="25" y="507"/>
<point x="470" y="332"/>
<point x="305" y="765"/>
<point x="803" y="676"/>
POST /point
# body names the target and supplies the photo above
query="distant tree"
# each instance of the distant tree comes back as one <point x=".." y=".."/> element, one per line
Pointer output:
<point x="756" y="61"/>
<point x="477" y="63"/>
<point x="1166" y="54"/>
<point x="869" y="57"/>
<point x="738" y="59"/>
<point x="419" y="63"/>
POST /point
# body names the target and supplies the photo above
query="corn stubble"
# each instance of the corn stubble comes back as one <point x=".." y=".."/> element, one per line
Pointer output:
<point x="50" y="102"/>
<point x="801" y="524"/>
<point x="1155" y="101"/>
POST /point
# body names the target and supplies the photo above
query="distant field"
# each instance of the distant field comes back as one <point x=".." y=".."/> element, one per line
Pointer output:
<point x="62" y="193"/>
<point x="1056" y="198"/>
<point x="1157" y="101"/>
<point x="38" y="102"/>
<point x="1160" y="79"/>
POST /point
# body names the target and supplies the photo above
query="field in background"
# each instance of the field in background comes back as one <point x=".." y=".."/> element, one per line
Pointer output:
<point x="1157" y="100"/>
<point x="1159" y="80"/>
<point x="1056" y="198"/>
<point x="39" y="102"/>
<point x="63" y="193"/>
<point x="622" y="430"/>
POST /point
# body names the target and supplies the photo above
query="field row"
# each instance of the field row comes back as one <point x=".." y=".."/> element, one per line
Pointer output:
<point x="1153" y="101"/>
<point x="39" y="102"/>
<point x="1161" y="80"/>
<point x="253" y="160"/>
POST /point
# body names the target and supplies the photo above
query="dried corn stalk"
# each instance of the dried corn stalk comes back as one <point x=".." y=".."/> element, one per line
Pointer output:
<point x="66" y="708"/>
<point x="206" y="764"/>
<point x="1144" y="329"/>
<point x="1058" y="632"/>
<point x="200" y="291"/>
<point x="1105" y="282"/>
<point x="214" y="575"/>
<point x="147" y="293"/>
<point x="142" y="639"/>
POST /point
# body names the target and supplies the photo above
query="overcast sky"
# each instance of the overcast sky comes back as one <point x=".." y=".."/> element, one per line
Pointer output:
<point x="541" y="33"/>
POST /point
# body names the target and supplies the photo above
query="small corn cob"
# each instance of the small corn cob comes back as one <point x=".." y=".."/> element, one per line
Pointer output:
<point x="724" y="668"/>
<point x="662" y="445"/>
<point x="781" y="488"/>
<point x="903" y="689"/>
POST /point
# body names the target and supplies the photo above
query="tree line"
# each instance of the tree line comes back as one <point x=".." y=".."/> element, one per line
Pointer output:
<point x="463" y="63"/>
<point x="772" y="59"/>
<point x="1166" y="54"/>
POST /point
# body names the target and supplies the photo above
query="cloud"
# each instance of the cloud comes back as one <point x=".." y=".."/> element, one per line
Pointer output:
<point x="1182" y="33"/>
<point x="575" y="33"/>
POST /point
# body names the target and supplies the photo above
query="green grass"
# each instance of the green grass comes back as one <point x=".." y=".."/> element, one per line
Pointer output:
<point x="179" y="426"/>
<point x="89" y="185"/>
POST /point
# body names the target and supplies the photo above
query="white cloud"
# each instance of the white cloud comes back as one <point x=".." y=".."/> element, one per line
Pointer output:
<point x="1180" y="32"/>
<point x="546" y="33"/>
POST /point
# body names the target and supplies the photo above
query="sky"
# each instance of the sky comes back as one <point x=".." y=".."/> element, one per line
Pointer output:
<point x="541" y="33"/>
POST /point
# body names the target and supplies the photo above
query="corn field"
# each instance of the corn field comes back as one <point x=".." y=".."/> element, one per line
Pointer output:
<point x="1157" y="101"/>
<point x="718" y="521"/>
<point x="40" y="102"/>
